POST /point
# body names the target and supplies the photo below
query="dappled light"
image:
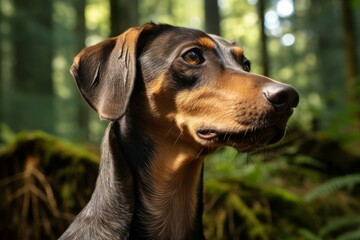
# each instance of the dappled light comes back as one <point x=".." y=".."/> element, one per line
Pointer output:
<point x="304" y="187"/>
<point x="288" y="39"/>
<point x="285" y="8"/>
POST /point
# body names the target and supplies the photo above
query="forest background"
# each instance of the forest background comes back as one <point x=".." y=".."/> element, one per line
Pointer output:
<point x="306" y="187"/>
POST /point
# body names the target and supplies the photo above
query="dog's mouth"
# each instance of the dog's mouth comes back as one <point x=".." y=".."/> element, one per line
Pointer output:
<point x="268" y="131"/>
<point x="250" y="138"/>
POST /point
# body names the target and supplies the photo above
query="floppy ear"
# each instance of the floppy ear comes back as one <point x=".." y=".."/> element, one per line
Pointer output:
<point x="105" y="73"/>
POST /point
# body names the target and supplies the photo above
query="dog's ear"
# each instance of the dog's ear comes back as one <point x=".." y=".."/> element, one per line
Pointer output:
<point x="105" y="73"/>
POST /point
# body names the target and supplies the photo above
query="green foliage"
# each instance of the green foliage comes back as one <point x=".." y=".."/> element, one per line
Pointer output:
<point x="187" y="13"/>
<point x="308" y="235"/>
<point x="48" y="146"/>
<point x="338" y="223"/>
<point x="225" y="207"/>
<point x="332" y="185"/>
<point x="6" y="134"/>
<point x="291" y="191"/>
<point x="272" y="189"/>
<point x="351" y="235"/>
<point x="333" y="227"/>
<point x="347" y="225"/>
<point x="247" y="196"/>
<point x="313" y="64"/>
<point x="355" y="3"/>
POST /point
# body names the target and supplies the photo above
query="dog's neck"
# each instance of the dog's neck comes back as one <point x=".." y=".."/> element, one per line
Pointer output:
<point x="169" y="192"/>
<point x="168" y="184"/>
<point x="112" y="201"/>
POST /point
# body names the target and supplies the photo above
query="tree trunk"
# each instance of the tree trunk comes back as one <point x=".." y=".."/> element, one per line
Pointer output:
<point x="351" y="64"/>
<point x="352" y="79"/>
<point x="263" y="38"/>
<point x="212" y="17"/>
<point x="32" y="37"/>
<point x="123" y="15"/>
<point x="33" y="54"/>
<point x="2" y="36"/>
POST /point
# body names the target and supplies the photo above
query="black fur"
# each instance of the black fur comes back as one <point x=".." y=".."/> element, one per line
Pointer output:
<point x="109" y="213"/>
<point x="112" y="76"/>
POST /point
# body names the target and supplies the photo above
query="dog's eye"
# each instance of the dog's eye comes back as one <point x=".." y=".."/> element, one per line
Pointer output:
<point x="193" y="57"/>
<point x="246" y="65"/>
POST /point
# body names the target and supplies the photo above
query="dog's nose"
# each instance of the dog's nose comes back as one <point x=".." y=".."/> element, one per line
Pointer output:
<point x="281" y="96"/>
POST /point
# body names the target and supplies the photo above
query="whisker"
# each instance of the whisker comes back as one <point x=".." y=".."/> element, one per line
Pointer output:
<point x="198" y="155"/>
<point x="177" y="139"/>
<point x="168" y="132"/>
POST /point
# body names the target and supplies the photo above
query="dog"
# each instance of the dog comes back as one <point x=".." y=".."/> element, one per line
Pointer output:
<point x="172" y="96"/>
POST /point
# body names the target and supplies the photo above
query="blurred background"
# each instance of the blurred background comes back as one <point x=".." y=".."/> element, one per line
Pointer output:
<point x="306" y="187"/>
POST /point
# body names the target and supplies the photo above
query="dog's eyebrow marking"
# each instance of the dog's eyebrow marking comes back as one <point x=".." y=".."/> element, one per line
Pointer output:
<point x="206" y="42"/>
<point x="150" y="180"/>
<point x="237" y="51"/>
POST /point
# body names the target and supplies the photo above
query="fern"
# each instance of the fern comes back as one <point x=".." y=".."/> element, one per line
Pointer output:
<point x="308" y="235"/>
<point x="301" y="159"/>
<point x="257" y="230"/>
<point x="339" y="223"/>
<point x="334" y="226"/>
<point x="351" y="235"/>
<point x="327" y="188"/>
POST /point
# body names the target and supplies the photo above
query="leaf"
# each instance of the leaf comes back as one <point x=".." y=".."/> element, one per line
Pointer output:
<point x="338" y="223"/>
<point x="332" y="185"/>
<point x="256" y="229"/>
<point x="308" y="235"/>
<point x="351" y="235"/>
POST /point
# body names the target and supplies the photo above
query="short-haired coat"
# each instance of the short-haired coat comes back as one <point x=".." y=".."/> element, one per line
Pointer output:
<point x="172" y="96"/>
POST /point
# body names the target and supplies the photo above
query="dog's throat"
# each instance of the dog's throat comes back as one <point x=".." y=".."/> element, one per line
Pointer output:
<point x="168" y="171"/>
<point x="170" y="195"/>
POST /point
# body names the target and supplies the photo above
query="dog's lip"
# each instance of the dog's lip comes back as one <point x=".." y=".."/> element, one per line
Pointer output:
<point x="253" y="136"/>
<point x="207" y="134"/>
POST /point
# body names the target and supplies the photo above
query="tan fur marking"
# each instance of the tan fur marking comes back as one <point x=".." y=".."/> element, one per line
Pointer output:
<point x="169" y="193"/>
<point x="174" y="172"/>
<point x="175" y="175"/>
<point x="237" y="51"/>
<point x="160" y="101"/>
<point x="206" y="42"/>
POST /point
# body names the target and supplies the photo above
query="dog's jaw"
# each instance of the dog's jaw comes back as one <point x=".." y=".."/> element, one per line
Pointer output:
<point x="173" y="95"/>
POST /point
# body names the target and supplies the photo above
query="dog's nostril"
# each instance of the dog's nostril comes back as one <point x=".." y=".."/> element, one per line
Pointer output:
<point x="281" y="95"/>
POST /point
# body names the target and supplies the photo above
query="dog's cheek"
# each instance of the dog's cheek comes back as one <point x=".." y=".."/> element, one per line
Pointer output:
<point x="191" y="111"/>
<point x="160" y="97"/>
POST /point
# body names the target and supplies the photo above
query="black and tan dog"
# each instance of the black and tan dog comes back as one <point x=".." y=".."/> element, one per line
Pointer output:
<point x="172" y="95"/>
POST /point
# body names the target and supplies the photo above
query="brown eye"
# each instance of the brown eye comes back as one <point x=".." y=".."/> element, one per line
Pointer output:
<point x="246" y="64"/>
<point x="193" y="57"/>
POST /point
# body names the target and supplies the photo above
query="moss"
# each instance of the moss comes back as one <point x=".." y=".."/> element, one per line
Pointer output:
<point x="56" y="175"/>
<point x="49" y="146"/>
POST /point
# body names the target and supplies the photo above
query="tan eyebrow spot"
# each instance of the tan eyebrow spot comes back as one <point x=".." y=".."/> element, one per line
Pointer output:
<point x="206" y="42"/>
<point x="237" y="51"/>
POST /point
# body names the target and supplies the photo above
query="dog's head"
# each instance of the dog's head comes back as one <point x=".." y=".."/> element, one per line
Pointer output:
<point x="193" y="84"/>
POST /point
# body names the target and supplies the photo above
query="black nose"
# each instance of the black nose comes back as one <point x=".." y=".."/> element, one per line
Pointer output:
<point x="281" y="96"/>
